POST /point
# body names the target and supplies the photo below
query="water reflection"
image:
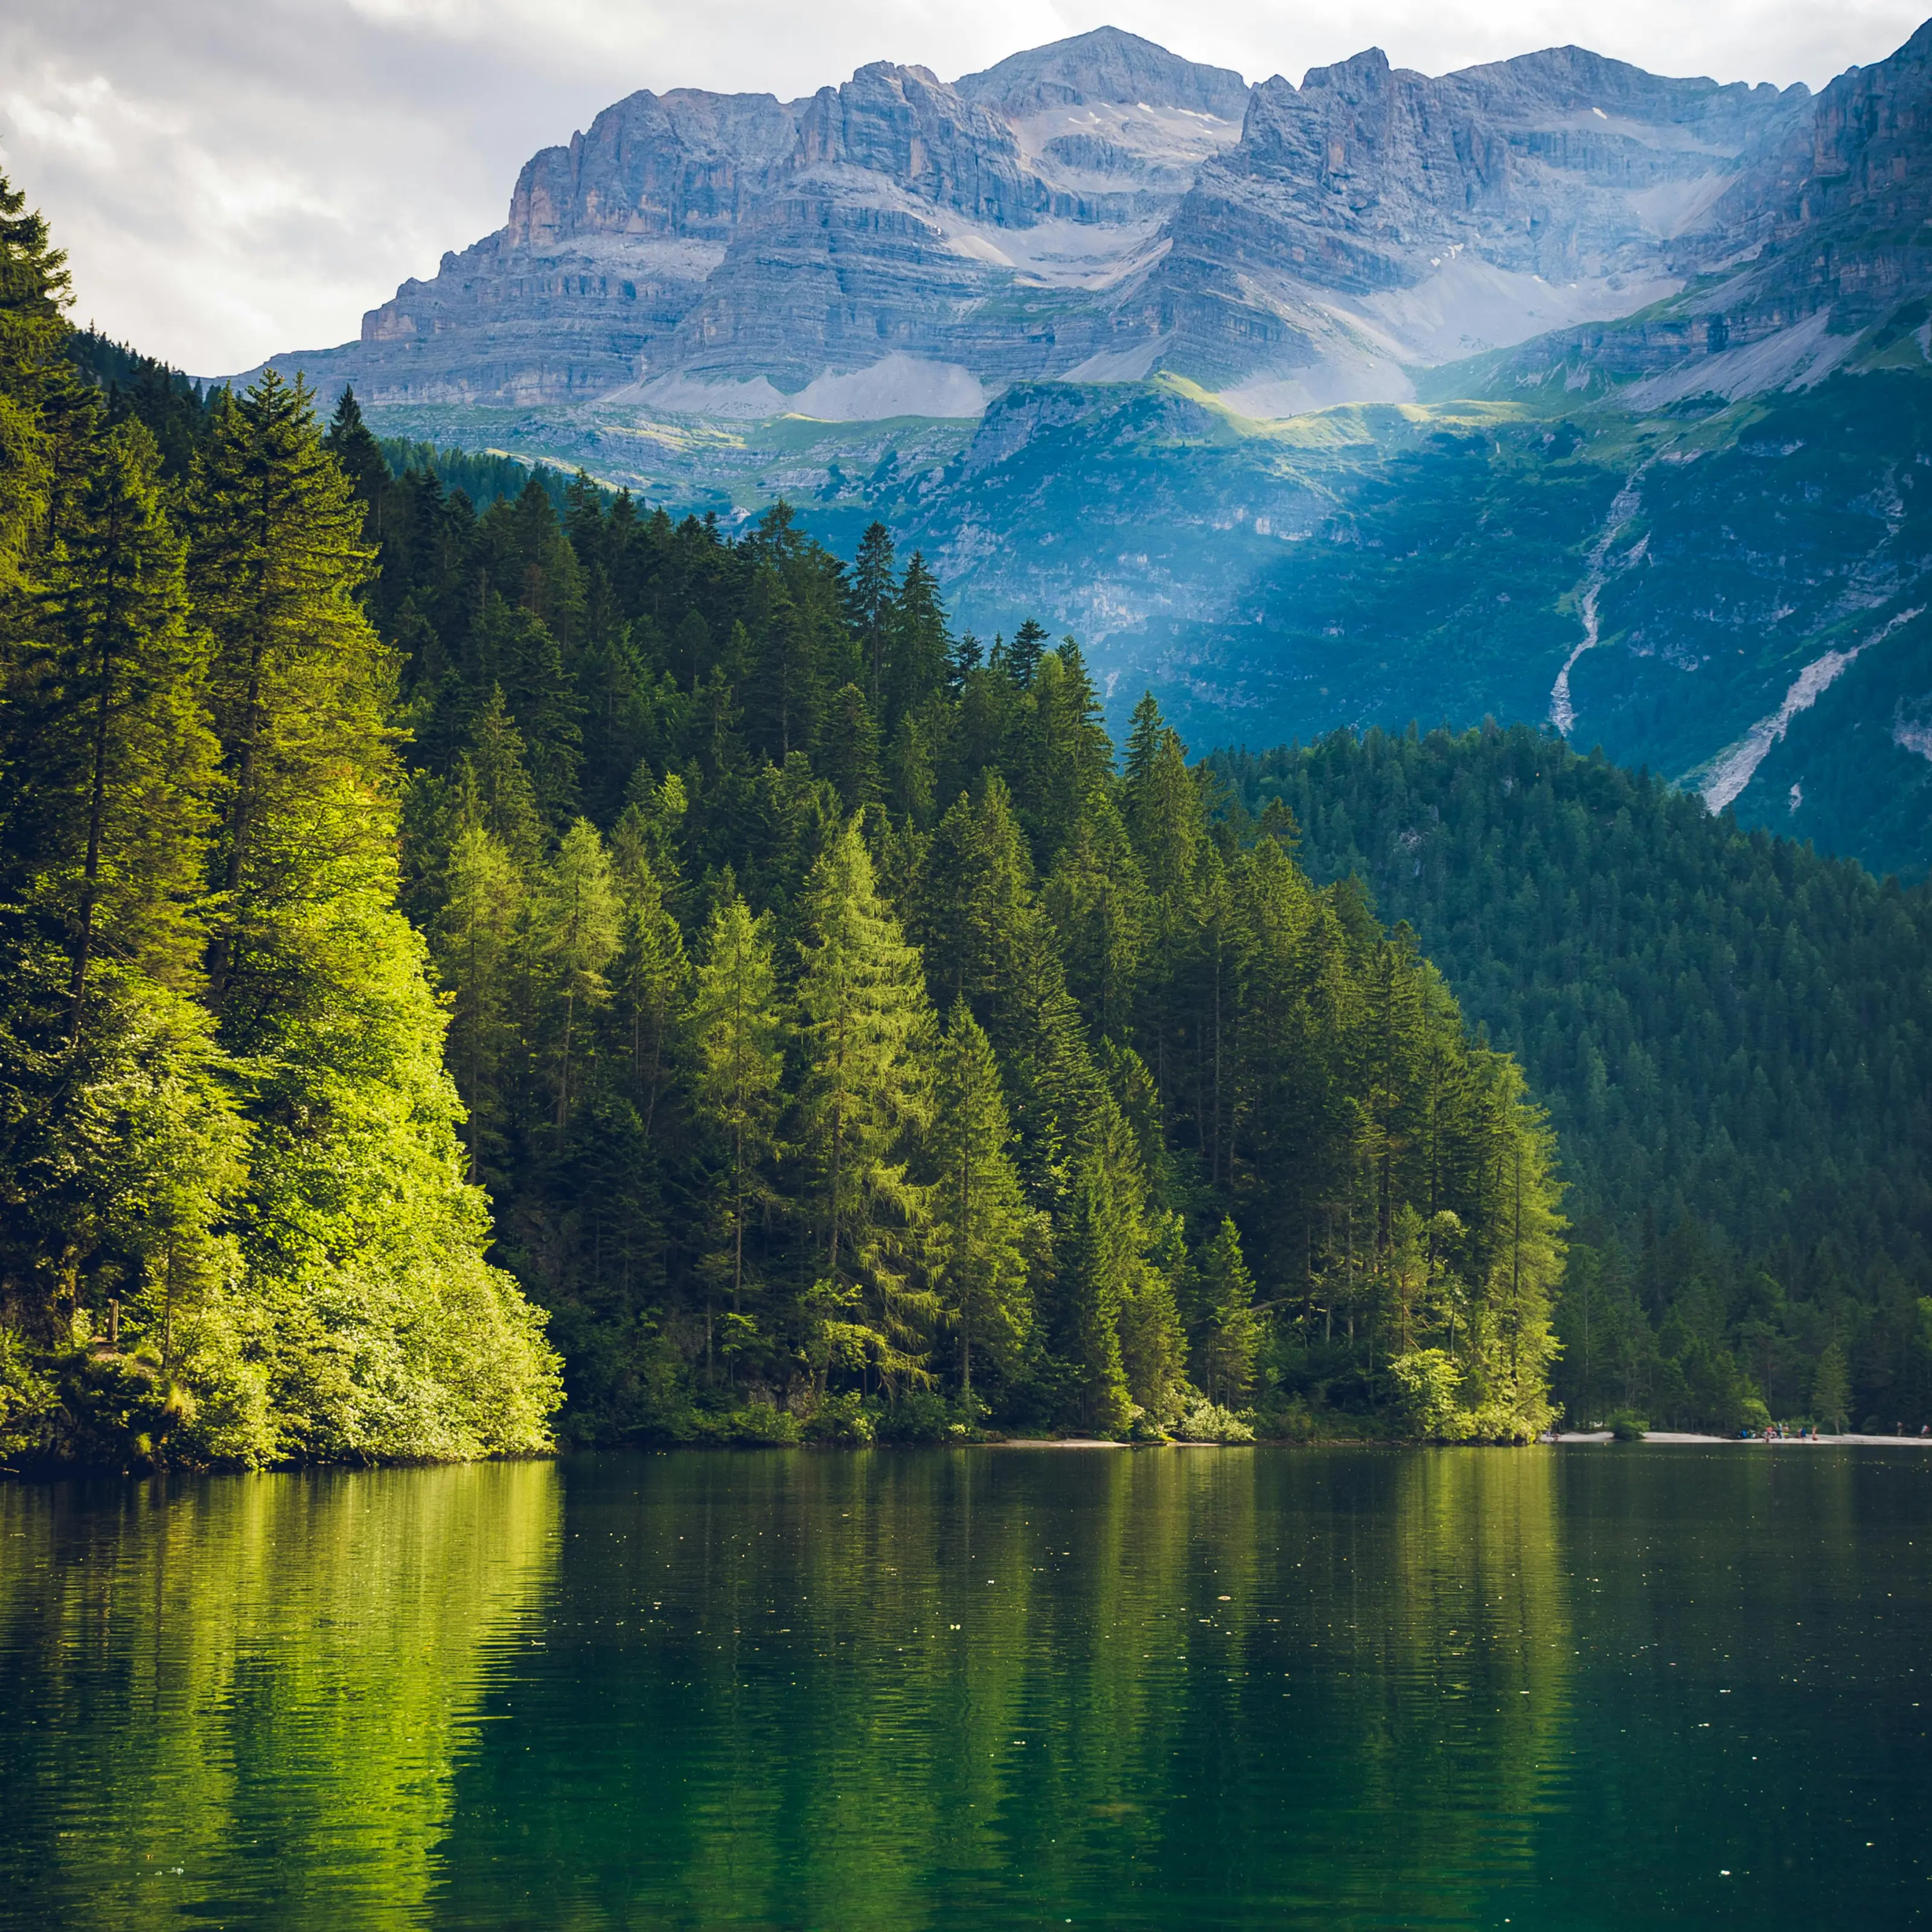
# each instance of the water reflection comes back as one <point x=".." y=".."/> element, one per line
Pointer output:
<point x="890" y="1690"/>
<point x="971" y="1690"/>
<point x="241" y="1701"/>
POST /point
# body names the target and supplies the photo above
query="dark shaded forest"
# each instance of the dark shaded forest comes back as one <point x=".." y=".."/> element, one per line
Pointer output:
<point x="1733" y="1033"/>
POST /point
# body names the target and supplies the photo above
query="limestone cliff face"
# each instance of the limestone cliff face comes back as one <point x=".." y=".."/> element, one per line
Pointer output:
<point x="1559" y="179"/>
<point x="1101" y="209"/>
<point x="1819" y="236"/>
<point x="609" y="242"/>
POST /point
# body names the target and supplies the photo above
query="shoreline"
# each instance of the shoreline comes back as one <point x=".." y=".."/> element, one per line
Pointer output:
<point x="1588" y="1436"/>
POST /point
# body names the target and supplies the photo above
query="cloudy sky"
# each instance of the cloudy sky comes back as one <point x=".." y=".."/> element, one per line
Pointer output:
<point x="232" y="178"/>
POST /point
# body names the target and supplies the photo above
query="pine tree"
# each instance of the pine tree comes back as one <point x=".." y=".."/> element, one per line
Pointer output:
<point x="1098" y="904"/>
<point x="986" y="939"/>
<point x="297" y="684"/>
<point x="578" y="934"/>
<point x="117" y="709"/>
<point x="1096" y="1261"/>
<point x="863" y="1022"/>
<point x="1021" y="657"/>
<point x="1223" y="1356"/>
<point x="919" y="643"/>
<point x="475" y="936"/>
<point x="979" y="1215"/>
<point x="518" y="659"/>
<point x="873" y="590"/>
<point x="1831" y="1390"/>
<point x="851" y="748"/>
<point x="362" y="1246"/>
<point x="737" y="1035"/>
<point x="648" y="979"/>
<point x="38" y="390"/>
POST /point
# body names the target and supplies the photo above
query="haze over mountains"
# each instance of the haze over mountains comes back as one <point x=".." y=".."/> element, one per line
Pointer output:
<point x="1379" y="396"/>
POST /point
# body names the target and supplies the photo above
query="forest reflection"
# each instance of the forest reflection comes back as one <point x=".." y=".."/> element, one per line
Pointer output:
<point x="241" y="1700"/>
<point x="942" y="1688"/>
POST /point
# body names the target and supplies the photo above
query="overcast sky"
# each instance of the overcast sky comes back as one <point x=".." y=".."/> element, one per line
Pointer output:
<point x="232" y="178"/>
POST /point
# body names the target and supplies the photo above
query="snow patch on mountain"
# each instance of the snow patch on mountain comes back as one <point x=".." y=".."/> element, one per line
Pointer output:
<point x="899" y="386"/>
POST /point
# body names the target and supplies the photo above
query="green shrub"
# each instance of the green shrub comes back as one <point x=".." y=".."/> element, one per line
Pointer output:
<point x="1626" y="1425"/>
<point x="758" y="1423"/>
<point x="27" y="1400"/>
<point x="1205" y="1421"/>
<point x="840" y="1419"/>
<point x="918" y="1416"/>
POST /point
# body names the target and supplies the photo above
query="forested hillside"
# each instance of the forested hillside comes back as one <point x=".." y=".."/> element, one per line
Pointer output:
<point x="234" y="1224"/>
<point x="1734" y="1035"/>
<point x="847" y="1046"/>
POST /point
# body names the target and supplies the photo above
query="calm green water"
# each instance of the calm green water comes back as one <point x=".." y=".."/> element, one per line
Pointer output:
<point x="1575" y="1687"/>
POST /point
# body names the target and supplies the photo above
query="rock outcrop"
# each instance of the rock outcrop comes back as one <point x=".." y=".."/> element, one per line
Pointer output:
<point x="1100" y="209"/>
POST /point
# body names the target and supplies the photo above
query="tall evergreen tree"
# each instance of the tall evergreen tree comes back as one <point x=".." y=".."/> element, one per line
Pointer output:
<point x="980" y="1214"/>
<point x="862" y="1021"/>
<point x="737" y="1034"/>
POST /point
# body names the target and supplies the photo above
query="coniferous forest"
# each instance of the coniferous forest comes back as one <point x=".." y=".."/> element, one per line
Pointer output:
<point x="441" y="946"/>
<point x="1734" y="1035"/>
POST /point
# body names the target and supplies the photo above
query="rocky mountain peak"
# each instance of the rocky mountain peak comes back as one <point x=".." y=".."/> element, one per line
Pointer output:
<point x="1108" y="66"/>
<point x="906" y="125"/>
<point x="1099" y="209"/>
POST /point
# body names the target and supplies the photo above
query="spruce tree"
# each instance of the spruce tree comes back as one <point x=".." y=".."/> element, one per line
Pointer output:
<point x="1230" y="1334"/>
<point x="863" y="1023"/>
<point x="118" y="710"/>
<point x="1096" y="1260"/>
<point x="299" y="682"/>
<point x="872" y="593"/>
<point x="648" y="979"/>
<point x="362" y="1245"/>
<point x="737" y="1036"/>
<point x="578" y="935"/>
<point x="978" y="1212"/>
<point x="474" y="937"/>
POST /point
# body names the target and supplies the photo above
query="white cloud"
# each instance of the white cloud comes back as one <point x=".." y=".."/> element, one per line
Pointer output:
<point x="235" y="177"/>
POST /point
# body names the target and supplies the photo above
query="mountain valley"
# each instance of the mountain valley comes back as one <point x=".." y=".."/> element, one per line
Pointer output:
<point x="1550" y="390"/>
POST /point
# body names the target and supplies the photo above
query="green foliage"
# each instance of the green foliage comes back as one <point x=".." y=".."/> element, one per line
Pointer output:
<point x="1205" y="1421"/>
<point x="1733" y="1035"/>
<point x="1831" y="1390"/>
<point x="1625" y="1426"/>
<point x="236" y="1225"/>
<point x="702" y="835"/>
<point x="1182" y="1111"/>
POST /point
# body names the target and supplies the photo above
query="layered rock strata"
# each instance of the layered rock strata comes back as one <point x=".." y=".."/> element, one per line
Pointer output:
<point x="1101" y="209"/>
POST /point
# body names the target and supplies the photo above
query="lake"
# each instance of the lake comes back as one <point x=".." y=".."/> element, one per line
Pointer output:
<point x="1560" y="1688"/>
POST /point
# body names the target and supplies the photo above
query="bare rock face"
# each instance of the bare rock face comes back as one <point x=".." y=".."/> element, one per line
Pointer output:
<point x="1100" y="209"/>
<point x="609" y="242"/>
<point x="1819" y="235"/>
<point x="694" y="240"/>
<point x="1444" y="214"/>
<point x="1107" y="67"/>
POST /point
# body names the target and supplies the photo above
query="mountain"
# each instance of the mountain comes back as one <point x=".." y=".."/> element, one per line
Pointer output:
<point x="1097" y="207"/>
<point x="1550" y="390"/>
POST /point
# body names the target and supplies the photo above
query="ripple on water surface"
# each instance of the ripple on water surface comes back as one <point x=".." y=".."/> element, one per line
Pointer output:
<point x="1573" y="1688"/>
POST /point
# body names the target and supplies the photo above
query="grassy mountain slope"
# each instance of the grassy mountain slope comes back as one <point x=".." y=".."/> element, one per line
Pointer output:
<point x="1754" y="574"/>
